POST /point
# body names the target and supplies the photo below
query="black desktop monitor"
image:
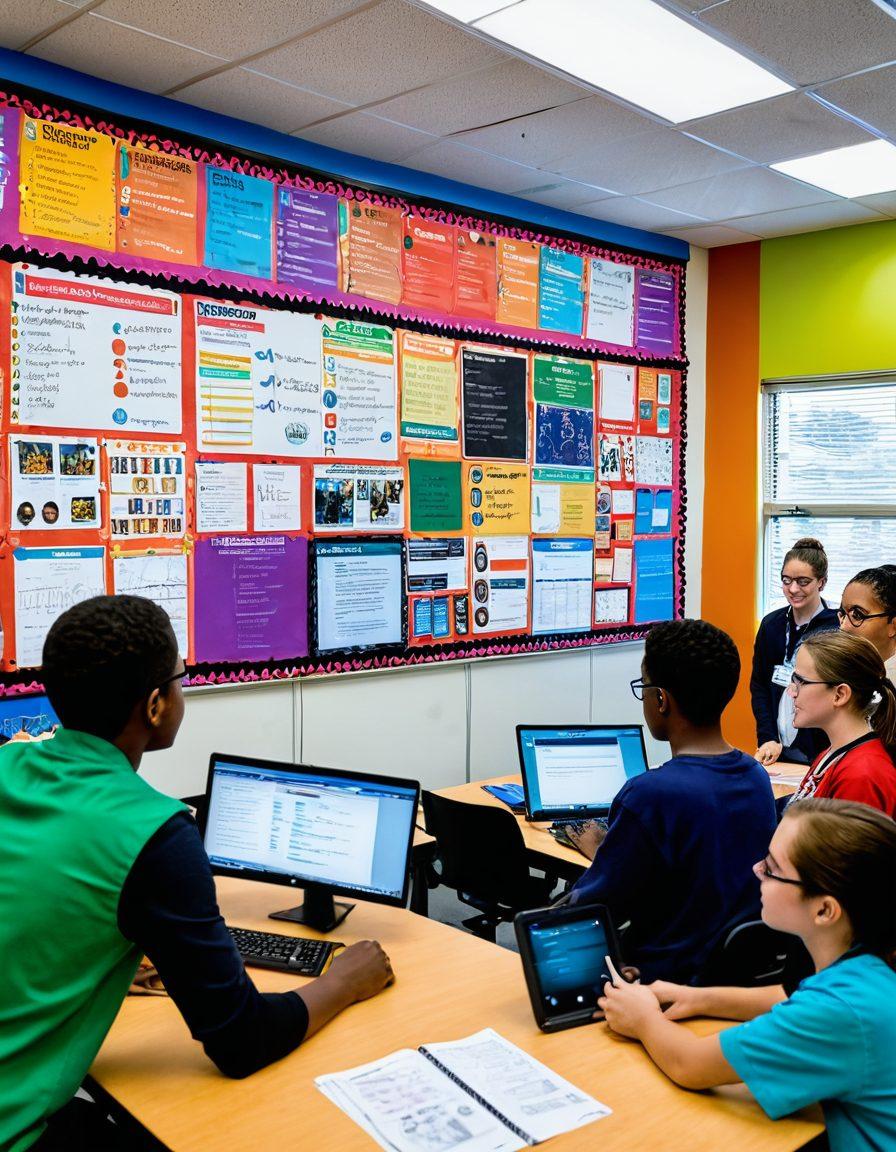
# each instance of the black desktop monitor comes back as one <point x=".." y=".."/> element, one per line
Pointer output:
<point x="321" y="829"/>
<point x="574" y="772"/>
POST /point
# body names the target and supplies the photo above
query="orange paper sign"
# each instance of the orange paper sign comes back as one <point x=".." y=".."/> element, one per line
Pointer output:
<point x="429" y="258"/>
<point x="156" y="199"/>
<point x="476" y="290"/>
<point x="518" y="282"/>
<point x="371" y="264"/>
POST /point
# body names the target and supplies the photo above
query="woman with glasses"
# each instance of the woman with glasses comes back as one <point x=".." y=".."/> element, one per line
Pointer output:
<point x="830" y="879"/>
<point x="803" y="577"/>
<point x="868" y="609"/>
<point x="839" y="685"/>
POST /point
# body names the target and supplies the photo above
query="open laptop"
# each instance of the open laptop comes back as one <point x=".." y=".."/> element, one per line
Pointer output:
<point x="574" y="772"/>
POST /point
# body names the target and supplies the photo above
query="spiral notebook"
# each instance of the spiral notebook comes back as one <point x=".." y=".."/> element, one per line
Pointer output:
<point x="482" y="1093"/>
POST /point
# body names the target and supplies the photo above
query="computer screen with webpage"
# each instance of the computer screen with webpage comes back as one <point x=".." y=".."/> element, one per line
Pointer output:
<point x="577" y="771"/>
<point x="315" y="825"/>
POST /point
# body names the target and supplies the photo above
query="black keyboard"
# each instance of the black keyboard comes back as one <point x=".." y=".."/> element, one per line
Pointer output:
<point x="296" y="954"/>
<point x="577" y="825"/>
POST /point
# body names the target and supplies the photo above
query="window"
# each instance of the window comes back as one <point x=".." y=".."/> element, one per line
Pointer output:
<point x="829" y="471"/>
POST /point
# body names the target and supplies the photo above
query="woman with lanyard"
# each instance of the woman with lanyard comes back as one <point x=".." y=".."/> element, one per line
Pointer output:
<point x="868" y="609"/>
<point x="803" y="577"/>
<point x="839" y="685"/>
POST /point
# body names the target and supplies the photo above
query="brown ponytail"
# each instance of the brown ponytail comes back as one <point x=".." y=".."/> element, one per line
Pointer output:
<point x="840" y="658"/>
<point x="848" y="851"/>
<point x="808" y="550"/>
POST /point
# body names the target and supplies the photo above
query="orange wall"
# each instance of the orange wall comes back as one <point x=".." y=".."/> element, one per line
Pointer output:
<point x="731" y="512"/>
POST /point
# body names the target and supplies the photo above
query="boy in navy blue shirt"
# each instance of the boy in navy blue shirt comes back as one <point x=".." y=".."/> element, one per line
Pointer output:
<point x="677" y="859"/>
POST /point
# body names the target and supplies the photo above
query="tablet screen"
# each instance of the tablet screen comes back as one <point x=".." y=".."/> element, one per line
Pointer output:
<point x="570" y="965"/>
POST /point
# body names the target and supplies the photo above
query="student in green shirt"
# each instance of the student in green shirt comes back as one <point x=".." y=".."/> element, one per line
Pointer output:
<point x="97" y="868"/>
<point x="829" y="878"/>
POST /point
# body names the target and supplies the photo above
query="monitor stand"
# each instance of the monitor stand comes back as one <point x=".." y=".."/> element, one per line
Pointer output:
<point x="319" y="911"/>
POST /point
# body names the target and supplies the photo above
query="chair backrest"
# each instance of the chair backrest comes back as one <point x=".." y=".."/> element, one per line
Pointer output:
<point x="481" y="850"/>
<point x="749" y="955"/>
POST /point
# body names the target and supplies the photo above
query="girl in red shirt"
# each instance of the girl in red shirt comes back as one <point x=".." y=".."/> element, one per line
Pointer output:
<point x="839" y="685"/>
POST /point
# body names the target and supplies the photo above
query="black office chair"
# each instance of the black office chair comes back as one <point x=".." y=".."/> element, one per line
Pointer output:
<point x="749" y="955"/>
<point x="481" y="854"/>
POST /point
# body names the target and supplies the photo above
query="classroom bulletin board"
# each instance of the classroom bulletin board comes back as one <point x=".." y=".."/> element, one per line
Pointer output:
<point x="326" y="428"/>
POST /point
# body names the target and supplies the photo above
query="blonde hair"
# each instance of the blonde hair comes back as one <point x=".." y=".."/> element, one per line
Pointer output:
<point x="840" y="658"/>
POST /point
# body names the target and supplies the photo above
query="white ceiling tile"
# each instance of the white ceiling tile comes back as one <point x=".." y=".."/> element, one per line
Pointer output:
<point x="111" y="51"/>
<point x="711" y="236"/>
<point x="871" y="97"/>
<point x="378" y="53"/>
<point x="544" y="137"/>
<point x="512" y="88"/>
<point x="780" y="129"/>
<point x="813" y="218"/>
<point x="20" y="23"/>
<point x="367" y="135"/>
<point x="261" y="100"/>
<point x="223" y="27"/>
<point x="636" y="213"/>
<point x="455" y="162"/>
<point x="883" y="202"/>
<point x="809" y="40"/>
<point x="557" y="193"/>
<point x="745" y="193"/>
<point x="641" y="163"/>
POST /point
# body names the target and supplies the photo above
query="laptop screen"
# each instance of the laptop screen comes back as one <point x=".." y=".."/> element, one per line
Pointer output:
<point x="577" y="771"/>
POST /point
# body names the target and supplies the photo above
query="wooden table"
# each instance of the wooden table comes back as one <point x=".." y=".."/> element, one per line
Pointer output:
<point x="448" y="985"/>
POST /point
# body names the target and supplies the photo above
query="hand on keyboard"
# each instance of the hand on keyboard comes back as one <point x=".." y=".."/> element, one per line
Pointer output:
<point x="586" y="836"/>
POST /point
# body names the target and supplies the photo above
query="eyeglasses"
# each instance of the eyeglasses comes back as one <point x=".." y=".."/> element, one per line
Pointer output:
<point x="800" y="581"/>
<point x="797" y="682"/>
<point x="182" y="675"/>
<point x="638" y="687"/>
<point x="857" y="617"/>
<point x="764" y="872"/>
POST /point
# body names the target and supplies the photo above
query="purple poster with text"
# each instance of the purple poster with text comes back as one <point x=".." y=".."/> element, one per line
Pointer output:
<point x="307" y="238"/>
<point x="251" y="599"/>
<point x="656" y="313"/>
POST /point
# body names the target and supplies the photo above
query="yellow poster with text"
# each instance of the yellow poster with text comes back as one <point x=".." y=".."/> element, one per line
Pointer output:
<point x="67" y="177"/>
<point x="496" y="499"/>
<point x="429" y="390"/>
<point x="563" y="509"/>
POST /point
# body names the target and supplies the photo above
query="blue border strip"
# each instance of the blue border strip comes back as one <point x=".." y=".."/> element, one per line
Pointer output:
<point x="122" y="102"/>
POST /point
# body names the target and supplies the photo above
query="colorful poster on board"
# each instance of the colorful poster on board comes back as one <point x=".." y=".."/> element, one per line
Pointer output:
<point x="495" y="404"/>
<point x="221" y="503"/>
<point x="91" y="353"/>
<point x="147" y="488"/>
<point x="611" y="303"/>
<point x="67" y="184"/>
<point x="518" y="282"/>
<point x="496" y="498"/>
<point x="654" y="460"/>
<point x="430" y="408"/>
<point x="359" y="392"/>
<point x="258" y="380"/>
<point x="9" y="173"/>
<point x="46" y="582"/>
<point x="358" y="498"/>
<point x="654" y="580"/>
<point x="616" y="388"/>
<point x="476" y="288"/>
<point x="55" y="483"/>
<point x="428" y="265"/>
<point x="564" y="419"/>
<point x="239" y="221"/>
<point x="436" y="503"/>
<point x="160" y="577"/>
<point x="157" y="205"/>
<point x="561" y="291"/>
<point x="656" y="312"/>
<point x="370" y="237"/>
<point x="308" y="239"/>
<point x="276" y="498"/>
<point x="359" y="594"/>
<point x="563" y="510"/>
<point x="500" y="584"/>
<point x="561" y="585"/>
<point x="254" y="601"/>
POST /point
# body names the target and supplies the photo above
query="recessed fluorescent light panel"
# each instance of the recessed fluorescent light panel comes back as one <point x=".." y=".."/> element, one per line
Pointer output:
<point x="860" y="170"/>
<point x="633" y="48"/>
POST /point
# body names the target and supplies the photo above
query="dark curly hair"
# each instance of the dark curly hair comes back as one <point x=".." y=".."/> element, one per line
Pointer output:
<point x="102" y="657"/>
<point x="696" y="663"/>
<point x="882" y="582"/>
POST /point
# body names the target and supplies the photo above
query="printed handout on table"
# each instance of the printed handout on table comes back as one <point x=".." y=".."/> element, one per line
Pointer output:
<point x="497" y="498"/>
<point x="67" y="180"/>
<point x="275" y="498"/>
<point x="253" y="602"/>
<point x="611" y="605"/>
<point x="561" y="291"/>
<point x="611" y="302"/>
<point x="370" y="241"/>
<point x="221" y="497"/>
<point x="147" y="486"/>
<point x="500" y="584"/>
<point x="617" y="396"/>
<point x="157" y="199"/>
<point x="437" y="565"/>
<point x="476" y="287"/>
<point x="653" y="461"/>
<point x="564" y="419"/>
<point x="429" y="256"/>
<point x="239" y="218"/>
<point x="307" y="239"/>
<point x="91" y="353"/>
<point x="359" y="395"/>
<point x="654" y="580"/>
<point x="55" y="483"/>
<point x="359" y="594"/>
<point x="436" y="503"/>
<point x="518" y="282"/>
<point x="258" y="380"/>
<point x="429" y="389"/>
<point x="48" y="581"/>
<point x="561" y="585"/>
<point x="161" y="577"/>
<point x="358" y="498"/>
<point x="494" y="388"/>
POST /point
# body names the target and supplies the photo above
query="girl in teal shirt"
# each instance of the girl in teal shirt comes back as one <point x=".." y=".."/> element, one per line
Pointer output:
<point x="829" y="878"/>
